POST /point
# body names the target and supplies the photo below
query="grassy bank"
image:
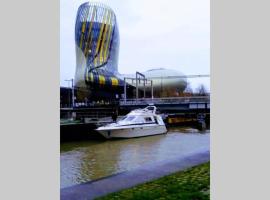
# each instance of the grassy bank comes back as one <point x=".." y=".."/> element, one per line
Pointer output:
<point x="191" y="184"/>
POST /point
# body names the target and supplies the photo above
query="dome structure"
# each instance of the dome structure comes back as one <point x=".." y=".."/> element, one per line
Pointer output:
<point x="166" y="82"/>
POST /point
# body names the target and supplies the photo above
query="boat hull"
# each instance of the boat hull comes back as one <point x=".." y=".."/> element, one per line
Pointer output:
<point x="133" y="132"/>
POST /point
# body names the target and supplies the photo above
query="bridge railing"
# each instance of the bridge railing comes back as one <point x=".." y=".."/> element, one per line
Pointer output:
<point x="166" y="100"/>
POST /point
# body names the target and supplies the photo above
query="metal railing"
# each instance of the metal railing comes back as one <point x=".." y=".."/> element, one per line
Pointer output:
<point x="93" y="115"/>
<point x="167" y="100"/>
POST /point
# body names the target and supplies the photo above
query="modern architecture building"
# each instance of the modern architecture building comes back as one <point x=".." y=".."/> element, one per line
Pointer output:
<point x="97" y="49"/>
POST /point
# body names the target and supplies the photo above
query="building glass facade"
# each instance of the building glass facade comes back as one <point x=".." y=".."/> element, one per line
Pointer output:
<point x="97" y="46"/>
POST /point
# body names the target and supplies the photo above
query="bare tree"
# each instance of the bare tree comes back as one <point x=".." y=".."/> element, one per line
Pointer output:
<point x="201" y="90"/>
<point x="188" y="90"/>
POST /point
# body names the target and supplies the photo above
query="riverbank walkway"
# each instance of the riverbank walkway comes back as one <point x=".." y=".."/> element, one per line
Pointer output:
<point x="127" y="179"/>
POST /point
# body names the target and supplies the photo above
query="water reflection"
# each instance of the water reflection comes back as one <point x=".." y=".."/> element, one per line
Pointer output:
<point x="84" y="161"/>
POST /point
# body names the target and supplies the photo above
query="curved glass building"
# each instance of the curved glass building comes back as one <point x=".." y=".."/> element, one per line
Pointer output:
<point x="97" y="47"/>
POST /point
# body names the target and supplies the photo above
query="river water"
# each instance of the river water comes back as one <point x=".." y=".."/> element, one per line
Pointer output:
<point x="90" y="160"/>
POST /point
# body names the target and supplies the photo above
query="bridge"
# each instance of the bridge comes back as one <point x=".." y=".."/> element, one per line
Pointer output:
<point x="167" y="106"/>
<point x="192" y="100"/>
<point x="170" y="104"/>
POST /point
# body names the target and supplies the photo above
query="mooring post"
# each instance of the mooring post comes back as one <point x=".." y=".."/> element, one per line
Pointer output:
<point x="152" y="91"/>
<point x="125" y="91"/>
<point x="144" y="87"/>
<point x="136" y="86"/>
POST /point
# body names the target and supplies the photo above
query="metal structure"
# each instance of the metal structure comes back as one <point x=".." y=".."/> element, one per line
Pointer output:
<point x="138" y="79"/>
<point x="185" y="76"/>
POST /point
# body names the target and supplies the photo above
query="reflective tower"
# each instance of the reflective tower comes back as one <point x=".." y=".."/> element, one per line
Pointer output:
<point x="97" y="47"/>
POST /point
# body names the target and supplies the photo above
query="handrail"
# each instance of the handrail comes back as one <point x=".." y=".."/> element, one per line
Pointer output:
<point x="188" y="97"/>
<point x="170" y="100"/>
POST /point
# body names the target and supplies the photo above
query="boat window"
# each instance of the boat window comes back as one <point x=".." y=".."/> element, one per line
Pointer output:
<point x="148" y="119"/>
<point x="139" y="120"/>
<point x="129" y="118"/>
<point x="150" y="108"/>
<point x="123" y="118"/>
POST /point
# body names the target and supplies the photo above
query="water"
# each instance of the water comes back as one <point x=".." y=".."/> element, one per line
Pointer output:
<point x="85" y="161"/>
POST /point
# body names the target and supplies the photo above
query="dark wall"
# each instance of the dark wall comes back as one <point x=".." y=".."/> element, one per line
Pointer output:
<point x="65" y="97"/>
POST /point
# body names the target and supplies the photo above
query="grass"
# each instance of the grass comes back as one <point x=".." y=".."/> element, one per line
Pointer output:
<point x="191" y="184"/>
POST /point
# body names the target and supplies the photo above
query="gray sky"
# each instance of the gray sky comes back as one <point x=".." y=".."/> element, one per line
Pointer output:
<point x="173" y="34"/>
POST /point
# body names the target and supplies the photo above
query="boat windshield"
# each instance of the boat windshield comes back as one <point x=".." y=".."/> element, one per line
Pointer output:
<point x="128" y="118"/>
<point x="131" y="120"/>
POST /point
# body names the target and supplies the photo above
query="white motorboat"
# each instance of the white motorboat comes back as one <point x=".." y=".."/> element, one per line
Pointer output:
<point x="137" y="123"/>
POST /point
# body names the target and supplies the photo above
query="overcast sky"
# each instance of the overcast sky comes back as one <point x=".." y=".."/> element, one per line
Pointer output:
<point x="173" y="34"/>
